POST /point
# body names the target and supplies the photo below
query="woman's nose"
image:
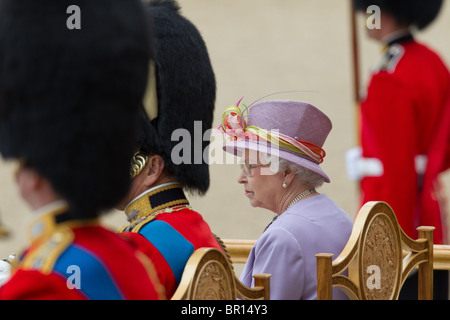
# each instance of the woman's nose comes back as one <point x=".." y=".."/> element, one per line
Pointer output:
<point x="242" y="178"/>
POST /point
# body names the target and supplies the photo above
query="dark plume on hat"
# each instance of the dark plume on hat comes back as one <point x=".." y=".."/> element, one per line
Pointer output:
<point x="186" y="91"/>
<point x="69" y="99"/>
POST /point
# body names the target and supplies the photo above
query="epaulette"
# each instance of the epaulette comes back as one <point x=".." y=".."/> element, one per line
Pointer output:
<point x="46" y="254"/>
<point x="138" y="224"/>
<point x="390" y="58"/>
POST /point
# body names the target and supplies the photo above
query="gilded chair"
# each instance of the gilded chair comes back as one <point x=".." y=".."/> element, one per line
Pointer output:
<point x="209" y="275"/>
<point x="377" y="258"/>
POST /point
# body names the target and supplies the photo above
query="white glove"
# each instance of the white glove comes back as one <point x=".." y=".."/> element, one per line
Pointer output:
<point x="5" y="272"/>
<point x="352" y="158"/>
<point x="359" y="167"/>
<point x="5" y="269"/>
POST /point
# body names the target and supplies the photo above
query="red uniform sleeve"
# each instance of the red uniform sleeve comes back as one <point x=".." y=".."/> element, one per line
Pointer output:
<point x="34" y="285"/>
<point x="162" y="268"/>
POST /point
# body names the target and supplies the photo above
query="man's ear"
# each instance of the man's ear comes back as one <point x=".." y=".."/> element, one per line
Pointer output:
<point x="28" y="179"/>
<point x="153" y="169"/>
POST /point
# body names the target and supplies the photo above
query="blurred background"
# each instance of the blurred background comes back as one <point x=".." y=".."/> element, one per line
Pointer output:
<point x="259" y="47"/>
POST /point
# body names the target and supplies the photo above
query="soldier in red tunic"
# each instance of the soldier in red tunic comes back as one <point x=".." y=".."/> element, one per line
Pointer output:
<point x="69" y="103"/>
<point x="405" y="119"/>
<point x="169" y="159"/>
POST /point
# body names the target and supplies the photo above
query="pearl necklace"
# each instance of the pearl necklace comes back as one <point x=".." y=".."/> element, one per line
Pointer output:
<point x="300" y="197"/>
<point x="294" y="201"/>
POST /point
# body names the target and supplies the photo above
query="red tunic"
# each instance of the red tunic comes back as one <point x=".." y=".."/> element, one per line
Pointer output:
<point x="406" y="114"/>
<point x="168" y="234"/>
<point x="81" y="260"/>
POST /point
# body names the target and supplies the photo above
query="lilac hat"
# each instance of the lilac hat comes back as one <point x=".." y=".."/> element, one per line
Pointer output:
<point x="296" y="130"/>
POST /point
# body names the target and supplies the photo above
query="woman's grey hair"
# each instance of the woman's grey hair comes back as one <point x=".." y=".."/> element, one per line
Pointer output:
<point x="305" y="175"/>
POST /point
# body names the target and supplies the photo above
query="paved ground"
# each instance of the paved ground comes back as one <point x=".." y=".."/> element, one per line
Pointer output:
<point x="260" y="47"/>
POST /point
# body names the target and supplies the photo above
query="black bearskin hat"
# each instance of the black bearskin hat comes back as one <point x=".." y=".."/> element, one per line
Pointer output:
<point x="70" y="97"/>
<point x="418" y="13"/>
<point x="185" y="97"/>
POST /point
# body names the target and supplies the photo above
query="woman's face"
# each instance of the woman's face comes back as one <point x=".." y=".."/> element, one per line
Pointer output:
<point x="262" y="187"/>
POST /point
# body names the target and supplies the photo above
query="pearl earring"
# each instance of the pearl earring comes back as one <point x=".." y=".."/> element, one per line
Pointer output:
<point x="284" y="185"/>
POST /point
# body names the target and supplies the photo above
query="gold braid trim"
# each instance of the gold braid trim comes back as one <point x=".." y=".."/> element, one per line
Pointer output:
<point x="225" y="250"/>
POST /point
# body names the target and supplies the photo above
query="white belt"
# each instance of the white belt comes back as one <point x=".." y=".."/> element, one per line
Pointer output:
<point x="359" y="167"/>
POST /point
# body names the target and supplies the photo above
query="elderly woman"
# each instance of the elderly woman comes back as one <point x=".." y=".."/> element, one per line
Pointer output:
<point x="280" y="144"/>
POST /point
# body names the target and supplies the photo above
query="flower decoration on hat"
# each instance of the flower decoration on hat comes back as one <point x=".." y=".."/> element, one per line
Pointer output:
<point x="235" y="126"/>
<point x="233" y="123"/>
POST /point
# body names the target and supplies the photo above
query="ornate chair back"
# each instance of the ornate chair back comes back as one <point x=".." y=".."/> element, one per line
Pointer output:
<point x="378" y="258"/>
<point x="209" y="275"/>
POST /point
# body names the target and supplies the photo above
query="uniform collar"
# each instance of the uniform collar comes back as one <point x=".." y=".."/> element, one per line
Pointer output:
<point x="397" y="38"/>
<point x="155" y="199"/>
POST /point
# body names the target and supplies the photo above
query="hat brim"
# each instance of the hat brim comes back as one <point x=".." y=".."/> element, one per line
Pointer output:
<point x="237" y="147"/>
